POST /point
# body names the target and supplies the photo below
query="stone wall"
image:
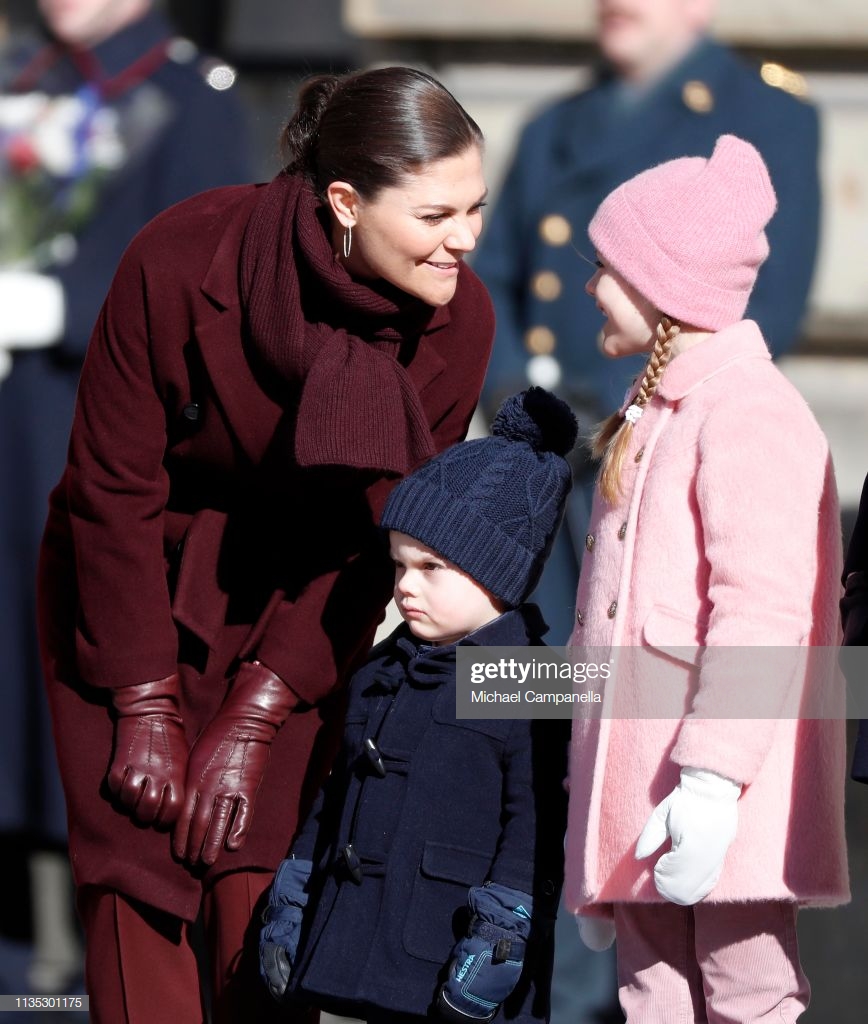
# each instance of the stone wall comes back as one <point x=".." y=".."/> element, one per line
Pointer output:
<point x="787" y="22"/>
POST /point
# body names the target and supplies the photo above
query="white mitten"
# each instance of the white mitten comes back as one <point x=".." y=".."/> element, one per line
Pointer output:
<point x="701" y="817"/>
<point x="597" y="933"/>
<point x="32" y="310"/>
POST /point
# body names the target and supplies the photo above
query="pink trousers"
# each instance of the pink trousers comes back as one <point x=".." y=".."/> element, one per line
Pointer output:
<point x="724" y="963"/>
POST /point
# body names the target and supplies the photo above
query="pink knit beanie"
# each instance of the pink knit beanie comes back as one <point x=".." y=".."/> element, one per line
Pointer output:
<point x="688" y="234"/>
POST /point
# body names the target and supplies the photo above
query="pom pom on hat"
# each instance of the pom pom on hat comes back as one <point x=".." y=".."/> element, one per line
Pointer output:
<point x="493" y="505"/>
<point x="532" y="417"/>
<point x="689" y="234"/>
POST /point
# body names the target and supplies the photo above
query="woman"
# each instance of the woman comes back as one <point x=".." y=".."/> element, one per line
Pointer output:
<point x="269" y="361"/>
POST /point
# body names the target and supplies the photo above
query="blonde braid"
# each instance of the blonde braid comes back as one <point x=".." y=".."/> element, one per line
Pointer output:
<point x="613" y="437"/>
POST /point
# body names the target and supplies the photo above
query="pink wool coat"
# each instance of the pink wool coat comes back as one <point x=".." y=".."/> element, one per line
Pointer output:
<point x="726" y="537"/>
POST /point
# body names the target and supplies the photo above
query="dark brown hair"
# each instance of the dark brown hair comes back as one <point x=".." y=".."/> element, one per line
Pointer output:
<point x="372" y="128"/>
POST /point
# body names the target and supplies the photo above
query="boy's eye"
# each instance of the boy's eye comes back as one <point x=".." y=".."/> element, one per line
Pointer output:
<point x="432" y="565"/>
<point x="599" y="263"/>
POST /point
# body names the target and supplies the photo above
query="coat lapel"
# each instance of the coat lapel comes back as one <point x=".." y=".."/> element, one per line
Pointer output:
<point x="696" y="365"/>
<point x="627" y="138"/>
<point x="219" y="330"/>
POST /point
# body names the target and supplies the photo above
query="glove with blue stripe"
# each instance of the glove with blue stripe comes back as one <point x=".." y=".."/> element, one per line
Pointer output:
<point x="278" y="940"/>
<point x="487" y="963"/>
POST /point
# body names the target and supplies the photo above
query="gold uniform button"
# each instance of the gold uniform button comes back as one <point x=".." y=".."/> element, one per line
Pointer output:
<point x="613" y="607"/>
<point x="580" y="619"/>
<point x="622" y="532"/>
<point x="697" y="97"/>
<point x="638" y="456"/>
<point x="540" y="341"/>
<point x="590" y="541"/>
<point x="546" y="285"/>
<point x="555" y="229"/>
<point x="780" y="77"/>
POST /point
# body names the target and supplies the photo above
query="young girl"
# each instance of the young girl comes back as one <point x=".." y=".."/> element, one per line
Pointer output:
<point x="715" y="532"/>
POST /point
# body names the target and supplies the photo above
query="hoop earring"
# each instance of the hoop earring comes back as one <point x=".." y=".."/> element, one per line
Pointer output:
<point x="348" y="241"/>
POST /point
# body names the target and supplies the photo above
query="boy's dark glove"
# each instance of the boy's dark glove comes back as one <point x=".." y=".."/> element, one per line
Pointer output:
<point x="227" y="763"/>
<point x="278" y="940"/>
<point x="487" y="963"/>
<point x="150" y="756"/>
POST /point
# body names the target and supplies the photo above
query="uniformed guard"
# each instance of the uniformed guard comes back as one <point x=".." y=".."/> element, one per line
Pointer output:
<point x="666" y="89"/>
<point x="103" y="123"/>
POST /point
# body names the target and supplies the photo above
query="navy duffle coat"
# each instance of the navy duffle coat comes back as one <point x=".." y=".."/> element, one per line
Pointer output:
<point x="460" y="802"/>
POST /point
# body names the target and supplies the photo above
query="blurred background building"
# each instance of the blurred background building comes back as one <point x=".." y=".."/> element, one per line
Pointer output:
<point x="504" y="60"/>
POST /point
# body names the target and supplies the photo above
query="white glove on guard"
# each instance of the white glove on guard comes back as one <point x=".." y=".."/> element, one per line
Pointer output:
<point x="32" y="311"/>
<point x="701" y="817"/>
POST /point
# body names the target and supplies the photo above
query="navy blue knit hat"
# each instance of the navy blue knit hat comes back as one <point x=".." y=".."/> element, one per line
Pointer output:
<point x="493" y="506"/>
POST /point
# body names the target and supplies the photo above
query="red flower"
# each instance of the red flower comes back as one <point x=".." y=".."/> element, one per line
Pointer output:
<point x="21" y="154"/>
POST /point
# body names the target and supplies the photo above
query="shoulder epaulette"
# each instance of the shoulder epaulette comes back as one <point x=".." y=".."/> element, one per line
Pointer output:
<point x="780" y="77"/>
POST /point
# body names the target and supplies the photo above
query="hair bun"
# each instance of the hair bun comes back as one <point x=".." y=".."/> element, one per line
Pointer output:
<point x="538" y="418"/>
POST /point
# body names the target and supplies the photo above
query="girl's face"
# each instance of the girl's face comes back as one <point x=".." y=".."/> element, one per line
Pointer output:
<point x="631" y="320"/>
<point x="415" y="234"/>
<point x="438" y="601"/>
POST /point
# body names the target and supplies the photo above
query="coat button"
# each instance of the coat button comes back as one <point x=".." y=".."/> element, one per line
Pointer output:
<point x="374" y="757"/>
<point x="590" y="541"/>
<point x="352" y="863"/>
<point x="191" y="412"/>
<point x="540" y="341"/>
<point x="622" y="532"/>
<point x="580" y="619"/>
<point x="613" y="607"/>
<point x="555" y="230"/>
<point x="546" y="286"/>
<point x="638" y="456"/>
<point x="697" y="97"/>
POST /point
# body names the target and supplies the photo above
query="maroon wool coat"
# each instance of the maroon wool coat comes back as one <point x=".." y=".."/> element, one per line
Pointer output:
<point x="184" y="535"/>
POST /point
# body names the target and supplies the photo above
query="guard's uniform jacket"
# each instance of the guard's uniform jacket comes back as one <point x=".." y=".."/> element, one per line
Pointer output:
<point x="568" y="160"/>
<point x="180" y="136"/>
<point x="420" y="807"/>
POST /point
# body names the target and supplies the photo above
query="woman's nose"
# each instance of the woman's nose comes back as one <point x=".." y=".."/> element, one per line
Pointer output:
<point x="462" y="237"/>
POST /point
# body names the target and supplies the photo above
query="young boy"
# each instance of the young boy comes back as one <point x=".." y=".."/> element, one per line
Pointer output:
<point x="431" y="866"/>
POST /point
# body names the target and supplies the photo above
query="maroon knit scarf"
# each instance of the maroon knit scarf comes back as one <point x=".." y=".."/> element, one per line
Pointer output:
<point x="338" y="340"/>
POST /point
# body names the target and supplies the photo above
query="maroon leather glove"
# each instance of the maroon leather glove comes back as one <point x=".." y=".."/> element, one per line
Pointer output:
<point x="150" y="756"/>
<point x="227" y="763"/>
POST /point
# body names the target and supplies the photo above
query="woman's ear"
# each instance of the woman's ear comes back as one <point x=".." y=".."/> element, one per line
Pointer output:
<point x="343" y="200"/>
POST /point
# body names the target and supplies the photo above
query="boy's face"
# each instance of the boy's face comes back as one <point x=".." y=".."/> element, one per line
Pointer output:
<point x="438" y="601"/>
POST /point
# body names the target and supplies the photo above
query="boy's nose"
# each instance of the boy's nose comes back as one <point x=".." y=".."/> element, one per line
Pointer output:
<point x="404" y="585"/>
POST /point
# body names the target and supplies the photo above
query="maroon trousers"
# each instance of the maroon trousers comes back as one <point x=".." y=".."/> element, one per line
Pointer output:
<point x="140" y="966"/>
